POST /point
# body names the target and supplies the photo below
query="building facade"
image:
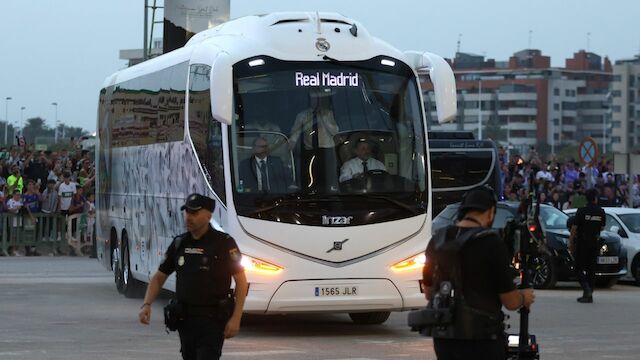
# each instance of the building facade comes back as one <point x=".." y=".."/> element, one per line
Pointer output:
<point x="524" y="102"/>
<point x="625" y="114"/>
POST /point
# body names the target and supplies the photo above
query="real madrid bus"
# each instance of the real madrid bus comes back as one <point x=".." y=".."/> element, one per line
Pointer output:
<point x="192" y="120"/>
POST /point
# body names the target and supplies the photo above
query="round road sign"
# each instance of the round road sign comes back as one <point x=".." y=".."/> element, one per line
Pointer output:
<point x="588" y="151"/>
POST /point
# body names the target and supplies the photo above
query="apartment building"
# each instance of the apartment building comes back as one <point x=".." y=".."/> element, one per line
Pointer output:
<point x="525" y="102"/>
<point x="625" y="114"/>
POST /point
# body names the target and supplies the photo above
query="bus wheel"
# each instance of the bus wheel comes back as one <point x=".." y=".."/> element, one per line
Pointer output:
<point x="370" y="318"/>
<point x="117" y="269"/>
<point x="131" y="287"/>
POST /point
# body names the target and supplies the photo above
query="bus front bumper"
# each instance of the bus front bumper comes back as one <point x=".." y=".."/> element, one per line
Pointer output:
<point x="334" y="296"/>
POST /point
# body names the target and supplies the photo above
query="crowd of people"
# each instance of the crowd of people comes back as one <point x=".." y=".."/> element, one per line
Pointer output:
<point x="45" y="182"/>
<point x="563" y="183"/>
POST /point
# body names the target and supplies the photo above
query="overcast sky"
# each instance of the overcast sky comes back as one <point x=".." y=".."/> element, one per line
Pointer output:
<point x="61" y="51"/>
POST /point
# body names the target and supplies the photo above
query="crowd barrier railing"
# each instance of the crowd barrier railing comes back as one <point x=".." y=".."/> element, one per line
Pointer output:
<point x="57" y="233"/>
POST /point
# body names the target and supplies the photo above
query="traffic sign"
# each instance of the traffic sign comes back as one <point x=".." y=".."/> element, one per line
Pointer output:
<point x="588" y="151"/>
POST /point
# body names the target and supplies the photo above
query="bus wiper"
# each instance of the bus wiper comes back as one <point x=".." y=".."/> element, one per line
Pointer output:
<point x="287" y="199"/>
<point x="398" y="204"/>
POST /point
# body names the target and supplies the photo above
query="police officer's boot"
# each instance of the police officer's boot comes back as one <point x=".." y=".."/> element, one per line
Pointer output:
<point x="587" y="296"/>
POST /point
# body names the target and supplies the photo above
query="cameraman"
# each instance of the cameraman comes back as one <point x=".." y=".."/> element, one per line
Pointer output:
<point x="486" y="281"/>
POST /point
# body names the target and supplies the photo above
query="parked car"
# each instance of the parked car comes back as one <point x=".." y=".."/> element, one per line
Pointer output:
<point x="626" y="223"/>
<point x="559" y="264"/>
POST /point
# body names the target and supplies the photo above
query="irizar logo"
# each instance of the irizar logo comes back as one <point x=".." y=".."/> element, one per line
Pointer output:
<point x="336" y="220"/>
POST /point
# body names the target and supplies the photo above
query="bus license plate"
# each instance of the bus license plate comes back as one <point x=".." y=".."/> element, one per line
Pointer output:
<point x="608" y="260"/>
<point x="336" y="291"/>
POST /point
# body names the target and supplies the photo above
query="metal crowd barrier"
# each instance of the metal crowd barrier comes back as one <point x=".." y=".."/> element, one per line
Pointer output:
<point x="59" y="234"/>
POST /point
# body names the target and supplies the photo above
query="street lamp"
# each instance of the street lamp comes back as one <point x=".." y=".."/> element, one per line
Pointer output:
<point x="55" y="104"/>
<point x="21" y="120"/>
<point x="479" y="109"/>
<point x="6" y="118"/>
<point x="604" y="122"/>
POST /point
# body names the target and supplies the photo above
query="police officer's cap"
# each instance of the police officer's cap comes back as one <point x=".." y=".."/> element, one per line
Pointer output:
<point x="480" y="198"/>
<point x="196" y="202"/>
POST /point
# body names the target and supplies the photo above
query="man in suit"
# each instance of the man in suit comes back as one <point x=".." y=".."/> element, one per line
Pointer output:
<point x="263" y="172"/>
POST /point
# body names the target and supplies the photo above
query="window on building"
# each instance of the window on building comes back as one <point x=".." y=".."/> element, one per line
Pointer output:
<point x="632" y="80"/>
<point x="615" y="93"/>
<point x="556" y="91"/>
<point x="615" y="139"/>
<point x="617" y="77"/>
<point x="632" y="96"/>
<point x="616" y="108"/>
<point x="567" y="92"/>
<point x="616" y="124"/>
<point x="556" y="106"/>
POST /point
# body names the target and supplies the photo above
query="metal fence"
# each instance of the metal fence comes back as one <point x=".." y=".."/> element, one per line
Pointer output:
<point x="58" y="234"/>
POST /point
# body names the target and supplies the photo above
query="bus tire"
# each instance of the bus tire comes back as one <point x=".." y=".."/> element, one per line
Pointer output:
<point x="370" y="318"/>
<point x="116" y="262"/>
<point x="131" y="288"/>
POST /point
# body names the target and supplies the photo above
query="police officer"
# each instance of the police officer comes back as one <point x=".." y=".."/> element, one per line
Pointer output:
<point x="583" y="243"/>
<point x="204" y="261"/>
<point x="486" y="280"/>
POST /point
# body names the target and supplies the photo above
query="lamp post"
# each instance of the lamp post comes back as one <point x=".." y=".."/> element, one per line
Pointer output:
<point x="21" y="120"/>
<point x="607" y="111"/>
<point x="55" y="104"/>
<point x="479" y="110"/>
<point x="6" y="118"/>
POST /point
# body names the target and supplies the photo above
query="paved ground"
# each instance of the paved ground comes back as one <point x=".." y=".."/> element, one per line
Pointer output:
<point x="68" y="308"/>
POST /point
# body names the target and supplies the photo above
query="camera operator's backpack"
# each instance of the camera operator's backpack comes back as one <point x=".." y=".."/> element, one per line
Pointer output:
<point x="448" y="315"/>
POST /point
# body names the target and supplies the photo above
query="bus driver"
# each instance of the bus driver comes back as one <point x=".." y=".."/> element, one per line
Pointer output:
<point x="361" y="163"/>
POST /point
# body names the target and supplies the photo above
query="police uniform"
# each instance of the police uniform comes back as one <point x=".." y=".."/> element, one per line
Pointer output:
<point x="204" y="268"/>
<point x="589" y="220"/>
<point x="485" y="273"/>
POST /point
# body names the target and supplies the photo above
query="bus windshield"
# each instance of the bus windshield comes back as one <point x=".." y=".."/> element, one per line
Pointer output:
<point x="344" y="138"/>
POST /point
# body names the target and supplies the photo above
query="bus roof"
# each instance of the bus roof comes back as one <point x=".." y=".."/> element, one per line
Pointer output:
<point x="293" y="36"/>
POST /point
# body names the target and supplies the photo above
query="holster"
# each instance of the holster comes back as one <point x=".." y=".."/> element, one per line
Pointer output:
<point x="174" y="315"/>
<point x="225" y="308"/>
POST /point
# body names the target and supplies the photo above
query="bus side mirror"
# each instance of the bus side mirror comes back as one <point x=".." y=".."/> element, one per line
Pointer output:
<point x="222" y="89"/>
<point x="444" y="82"/>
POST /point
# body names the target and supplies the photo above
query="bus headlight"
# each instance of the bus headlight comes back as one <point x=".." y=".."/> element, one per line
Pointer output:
<point x="414" y="262"/>
<point x="254" y="265"/>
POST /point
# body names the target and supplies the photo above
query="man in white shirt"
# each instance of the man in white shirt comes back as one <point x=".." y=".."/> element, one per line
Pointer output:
<point x="544" y="175"/>
<point x="361" y="164"/>
<point x="66" y="190"/>
<point x="313" y="133"/>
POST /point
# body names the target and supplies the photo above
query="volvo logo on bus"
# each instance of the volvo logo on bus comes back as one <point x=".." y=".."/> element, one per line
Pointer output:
<point x="336" y="220"/>
<point x="337" y="245"/>
<point x="323" y="45"/>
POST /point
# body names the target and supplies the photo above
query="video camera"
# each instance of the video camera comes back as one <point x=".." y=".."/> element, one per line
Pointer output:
<point x="525" y="240"/>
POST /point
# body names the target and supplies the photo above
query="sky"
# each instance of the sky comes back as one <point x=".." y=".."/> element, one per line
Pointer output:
<point x="61" y="51"/>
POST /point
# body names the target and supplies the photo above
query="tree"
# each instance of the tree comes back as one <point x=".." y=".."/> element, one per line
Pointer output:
<point x="35" y="127"/>
<point x="494" y="131"/>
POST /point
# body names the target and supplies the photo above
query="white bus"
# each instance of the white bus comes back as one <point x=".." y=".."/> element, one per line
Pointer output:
<point x="307" y="88"/>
